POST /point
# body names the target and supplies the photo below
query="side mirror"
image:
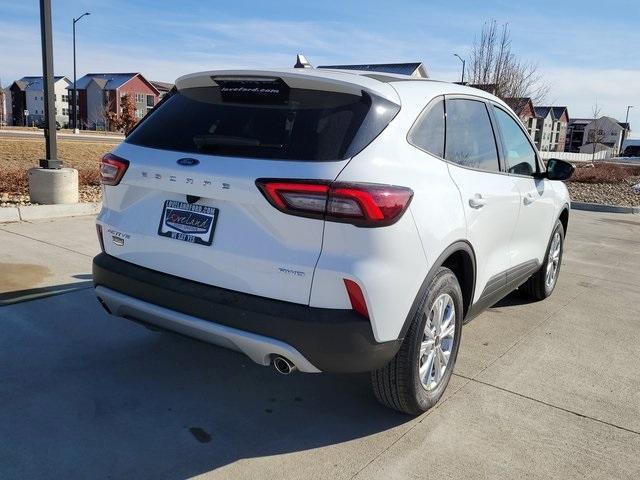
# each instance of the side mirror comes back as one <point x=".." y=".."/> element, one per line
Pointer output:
<point x="559" y="169"/>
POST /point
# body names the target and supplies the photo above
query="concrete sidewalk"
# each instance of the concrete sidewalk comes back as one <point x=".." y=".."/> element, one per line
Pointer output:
<point x="46" y="256"/>
<point x="541" y="390"/>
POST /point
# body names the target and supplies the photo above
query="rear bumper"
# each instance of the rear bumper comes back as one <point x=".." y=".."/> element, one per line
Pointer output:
<point x="315" y="339"/>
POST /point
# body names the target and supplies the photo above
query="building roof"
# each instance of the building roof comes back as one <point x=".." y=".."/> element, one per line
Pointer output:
<point x="106" y="81"/>
<point x="35" y="82"/>
<point x="542" y="112"/>
<point x="161" y="86"/>
<point x="413" y="69"/>
<point x="109" y="81"/>
<point x="581" y="121"/>
<point x="558" y="111"/>
<point x="491" y="88"/>
<point x="519" y="104"/>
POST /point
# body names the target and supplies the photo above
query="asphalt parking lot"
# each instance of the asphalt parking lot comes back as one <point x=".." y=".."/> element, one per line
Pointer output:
<point x="541" y="390"/>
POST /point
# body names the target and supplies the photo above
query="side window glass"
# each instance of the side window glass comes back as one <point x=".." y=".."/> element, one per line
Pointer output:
<point x="520" y="156"/>
<point x="428" y="132"/>
<point x="469" y="139"/>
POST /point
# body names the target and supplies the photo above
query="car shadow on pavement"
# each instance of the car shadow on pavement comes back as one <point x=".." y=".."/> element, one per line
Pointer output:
<point x="87" y="395"/>
<point x="515" y="298"/>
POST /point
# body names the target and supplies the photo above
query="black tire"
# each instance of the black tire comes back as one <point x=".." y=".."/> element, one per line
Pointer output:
<point x="536" y="288"/>
<point x="397" y="385"/>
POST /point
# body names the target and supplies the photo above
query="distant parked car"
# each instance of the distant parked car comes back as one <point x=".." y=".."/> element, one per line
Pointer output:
<point x="631" y="151"/>
<point x="329" y="221"/>
<point x="42" y="123"/>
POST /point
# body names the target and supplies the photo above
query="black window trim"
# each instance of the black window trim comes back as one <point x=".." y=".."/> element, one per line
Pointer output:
<point x="432" y="103"/>
<point x="475" y="98"/>
<point x="444" y="98"/>
<point x="539" y="163"/>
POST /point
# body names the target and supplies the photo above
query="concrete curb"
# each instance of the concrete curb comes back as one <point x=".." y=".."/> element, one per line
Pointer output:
<point x="41" y="212"/>
<point x="599" y="207"/>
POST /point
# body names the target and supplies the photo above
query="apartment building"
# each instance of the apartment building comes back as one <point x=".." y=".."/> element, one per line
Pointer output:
<point x="27" y="101"/>
<point x="101" y="93"/>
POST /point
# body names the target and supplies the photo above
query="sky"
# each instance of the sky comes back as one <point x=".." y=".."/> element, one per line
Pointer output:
<point x="587" y="51"/>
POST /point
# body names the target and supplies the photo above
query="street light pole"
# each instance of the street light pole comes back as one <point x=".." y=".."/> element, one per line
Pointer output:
<point x="626" y="127"/>
<point x="463" y="64"/>
<point x="75" y="92"/>
<point x="51" y="148"/>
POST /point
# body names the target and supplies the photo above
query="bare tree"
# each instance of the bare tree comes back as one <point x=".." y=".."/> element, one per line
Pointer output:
<point x="596" y="135"/>
<point x="495" y="67"/>
<point x="3" y="105"/>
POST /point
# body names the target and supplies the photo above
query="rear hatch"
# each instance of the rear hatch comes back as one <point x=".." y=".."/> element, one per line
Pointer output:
<point x="188" y="204"/>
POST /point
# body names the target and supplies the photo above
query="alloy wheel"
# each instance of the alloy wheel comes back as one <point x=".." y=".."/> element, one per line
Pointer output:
<point x="553" y="261"/>
<point x="437" y="341"/>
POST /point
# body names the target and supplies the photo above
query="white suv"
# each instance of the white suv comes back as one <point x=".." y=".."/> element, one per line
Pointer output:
<point x="326" y="220"/>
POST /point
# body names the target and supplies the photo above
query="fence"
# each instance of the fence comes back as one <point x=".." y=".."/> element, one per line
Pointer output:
<point x="576" y="157"/>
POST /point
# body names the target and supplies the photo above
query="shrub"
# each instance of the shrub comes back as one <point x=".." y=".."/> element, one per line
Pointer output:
<point x="604" y="173"/>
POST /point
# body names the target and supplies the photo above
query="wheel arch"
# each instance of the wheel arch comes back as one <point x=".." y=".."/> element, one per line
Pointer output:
<point x="460" y="258"/>
<point x="564" y="217"/>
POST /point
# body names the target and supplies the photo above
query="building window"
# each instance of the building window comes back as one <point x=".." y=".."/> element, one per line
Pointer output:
<point x="65" y="98"/>
<point x="139" y="97"/>
<point x="150" y="101"/>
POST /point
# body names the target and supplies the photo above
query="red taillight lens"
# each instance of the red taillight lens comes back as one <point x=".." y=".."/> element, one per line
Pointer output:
<point x="356" y="298"/>
<point x="362" y="204"/>
<point x="112" y="169"/>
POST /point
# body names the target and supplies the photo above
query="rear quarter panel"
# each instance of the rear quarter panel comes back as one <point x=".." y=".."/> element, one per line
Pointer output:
<point x="391" y="263"/>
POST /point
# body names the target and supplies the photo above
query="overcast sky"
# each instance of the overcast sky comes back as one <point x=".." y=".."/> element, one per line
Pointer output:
<point x="586" y="50"/>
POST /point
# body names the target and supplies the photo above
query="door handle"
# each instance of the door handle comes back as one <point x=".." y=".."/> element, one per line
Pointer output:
<point x="528" y="199"/>
<point x="477" y="201"/>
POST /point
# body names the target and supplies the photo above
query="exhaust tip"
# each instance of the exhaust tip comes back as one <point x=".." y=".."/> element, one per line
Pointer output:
<point x="283" y="365"/>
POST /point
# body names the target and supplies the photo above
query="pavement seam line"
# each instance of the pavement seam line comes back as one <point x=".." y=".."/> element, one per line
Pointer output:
<point x="46" y="243"/>
<point x="470" y="379"/>
<point x="527" y="333"/>
<point x="557" y="407"/>
<point x="423" y="417"/>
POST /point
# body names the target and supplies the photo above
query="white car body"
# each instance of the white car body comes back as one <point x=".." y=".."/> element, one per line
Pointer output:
<point x="502" y="220"/>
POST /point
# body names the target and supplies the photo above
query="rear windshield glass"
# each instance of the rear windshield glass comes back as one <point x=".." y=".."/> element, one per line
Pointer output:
<point x="278" y="122"/>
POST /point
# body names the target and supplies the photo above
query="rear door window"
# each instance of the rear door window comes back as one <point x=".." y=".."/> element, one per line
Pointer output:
<point x="469" y="136"/>
<point x="265" y="120"/>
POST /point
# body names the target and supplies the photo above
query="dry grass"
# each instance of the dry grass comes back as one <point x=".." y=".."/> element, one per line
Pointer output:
<point x="18" y="155"/>
<point x="604" y="173"/>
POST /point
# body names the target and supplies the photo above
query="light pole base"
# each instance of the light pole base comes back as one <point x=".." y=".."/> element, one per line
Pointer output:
<point x="76" y="131"/>
<point x="51" y="186"/>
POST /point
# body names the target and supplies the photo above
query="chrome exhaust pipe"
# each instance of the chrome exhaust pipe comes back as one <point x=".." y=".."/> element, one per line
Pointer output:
<point x="283" y="365"/>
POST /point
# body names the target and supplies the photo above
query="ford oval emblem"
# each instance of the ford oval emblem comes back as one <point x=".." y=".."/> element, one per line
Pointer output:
<point x="188" y="162"/>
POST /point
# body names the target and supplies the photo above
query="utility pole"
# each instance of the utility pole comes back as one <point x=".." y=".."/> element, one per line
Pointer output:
<point x="463" y="64"/>
<point x="75" y="92"/>
<point x="50" y="183"/>
<point x="51" y="146"/>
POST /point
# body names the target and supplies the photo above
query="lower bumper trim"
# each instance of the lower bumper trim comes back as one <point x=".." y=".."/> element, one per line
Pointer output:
<point x="331" y="340"/>
<point x="258" y="348"/>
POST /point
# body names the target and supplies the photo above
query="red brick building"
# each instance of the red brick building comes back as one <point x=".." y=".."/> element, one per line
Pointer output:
<point x="101" y="93"/>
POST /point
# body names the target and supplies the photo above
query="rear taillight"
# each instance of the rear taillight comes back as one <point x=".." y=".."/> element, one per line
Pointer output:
<point x="361" y="204"/>
<point x="112" y="169"/>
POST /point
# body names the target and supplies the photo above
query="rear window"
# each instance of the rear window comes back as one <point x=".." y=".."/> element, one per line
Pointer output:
<point x="269" y="121"/>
